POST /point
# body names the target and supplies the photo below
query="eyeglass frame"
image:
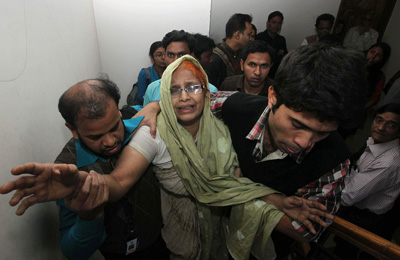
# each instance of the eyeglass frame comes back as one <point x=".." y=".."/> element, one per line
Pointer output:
<point x="158" y="55"/>
<point x="189" y="90"/>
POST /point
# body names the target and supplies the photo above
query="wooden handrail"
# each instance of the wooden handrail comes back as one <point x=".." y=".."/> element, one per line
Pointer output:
<point x="365" y="240"/>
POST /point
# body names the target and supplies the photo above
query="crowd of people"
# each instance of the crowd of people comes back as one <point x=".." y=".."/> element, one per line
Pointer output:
<point x="235" y="153"/>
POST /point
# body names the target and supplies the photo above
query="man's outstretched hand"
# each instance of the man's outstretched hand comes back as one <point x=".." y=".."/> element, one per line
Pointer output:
<point x="47" y="182"/>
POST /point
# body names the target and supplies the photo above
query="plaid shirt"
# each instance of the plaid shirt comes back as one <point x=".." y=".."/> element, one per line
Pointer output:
<point x="327" y="189"/>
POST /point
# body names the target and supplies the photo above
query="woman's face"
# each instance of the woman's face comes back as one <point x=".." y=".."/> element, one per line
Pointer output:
<point x="374" y="55"/>
<point x="188" y="108"/>
<point x="159" y="57"/>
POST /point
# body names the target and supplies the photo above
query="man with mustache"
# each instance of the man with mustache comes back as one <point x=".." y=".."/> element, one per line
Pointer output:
<point x="129" y="228"/>
<point x="256" y="62"/>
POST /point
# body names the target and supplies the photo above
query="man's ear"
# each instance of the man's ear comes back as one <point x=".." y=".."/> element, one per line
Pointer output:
<point x="73" y="130"/>
<point x="271" y="97"/>
<point x="242" y="64"/>
<point x="236" y="35"/>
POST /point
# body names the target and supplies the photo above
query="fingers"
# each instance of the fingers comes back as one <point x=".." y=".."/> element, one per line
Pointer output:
<point x="25" y="204"/>
<point x="310" y="227"/>
<point x="82" y="195"/>
<point x="20" y="183"/>
<point x="321" y="213"/>
<point x="32" y="168"/>
<point x="315" y="204"/>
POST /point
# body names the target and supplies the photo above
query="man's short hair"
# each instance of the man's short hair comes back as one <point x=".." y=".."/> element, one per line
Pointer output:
<point x="258" y="46"/>
<point x="91" y="102"/>
<point x="391" y="107"/>
<point x="325" y="80"/>
<point x="325" y="17"/>
<point x="179" y="36"/>
<point x="237" y="22"/>
<point x="203" y="44"/>
<point x="274" y="14"/>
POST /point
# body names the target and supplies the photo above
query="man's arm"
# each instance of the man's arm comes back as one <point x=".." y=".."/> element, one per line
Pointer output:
<point x="367" y="182"/>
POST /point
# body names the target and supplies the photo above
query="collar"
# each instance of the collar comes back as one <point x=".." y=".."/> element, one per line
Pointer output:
<point x="86" y="157"/>
<point x="264" y="91"/>
<point x="257" y="134"/>
<point x="378" y="149"/>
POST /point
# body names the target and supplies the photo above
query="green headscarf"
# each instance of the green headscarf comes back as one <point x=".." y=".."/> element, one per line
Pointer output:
<point x="206" y="168"/>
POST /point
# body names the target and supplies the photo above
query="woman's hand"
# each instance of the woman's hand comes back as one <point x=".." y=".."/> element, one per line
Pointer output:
<point x="49" y="182"/>
<point x="150" y="112"/>
<point x="300" y="209"/>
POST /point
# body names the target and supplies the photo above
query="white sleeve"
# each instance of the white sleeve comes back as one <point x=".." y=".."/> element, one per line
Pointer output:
<point x="154" y="150"/>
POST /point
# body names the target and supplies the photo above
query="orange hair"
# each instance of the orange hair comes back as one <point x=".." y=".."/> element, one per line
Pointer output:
<point x="196" y="71"/>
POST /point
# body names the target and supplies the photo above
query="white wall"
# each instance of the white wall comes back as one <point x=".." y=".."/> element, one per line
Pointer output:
<point x="392" y="37"/>
<point x="46" y="46"/>
<point x="299" y="16"/>
<point x="126" y="29"/>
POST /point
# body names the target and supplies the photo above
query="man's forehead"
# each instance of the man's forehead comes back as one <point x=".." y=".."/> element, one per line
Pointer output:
<point x="390" y="116"/>
<point x="258" y="55"/>
<point x="178" y="47"/>
<point x="110" y="115"/>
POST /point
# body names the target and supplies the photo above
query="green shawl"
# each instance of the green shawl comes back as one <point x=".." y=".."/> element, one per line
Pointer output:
<point x="206" y="168"/>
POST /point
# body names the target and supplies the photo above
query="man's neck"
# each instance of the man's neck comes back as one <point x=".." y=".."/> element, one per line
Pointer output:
<point x="272" y="35"/>
<point x="252" y="90"/>
<point x="233" y="45"/>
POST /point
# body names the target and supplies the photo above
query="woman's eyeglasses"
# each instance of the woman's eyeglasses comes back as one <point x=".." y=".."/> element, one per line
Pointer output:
<point x="195" y="89"/>
<point x="159" y="54"/>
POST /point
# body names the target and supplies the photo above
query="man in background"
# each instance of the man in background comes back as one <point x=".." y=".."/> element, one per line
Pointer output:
<point x="323" y="26"/>
<point x="256" y="62"/>
<point x="272" y="37"/>
<point x="226" y="57"/>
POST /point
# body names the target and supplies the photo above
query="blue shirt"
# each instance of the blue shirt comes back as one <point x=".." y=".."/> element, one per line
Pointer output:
<point x="153" y="92"/>
<point x="142" y="82"/>
<point x="81" y="238"/>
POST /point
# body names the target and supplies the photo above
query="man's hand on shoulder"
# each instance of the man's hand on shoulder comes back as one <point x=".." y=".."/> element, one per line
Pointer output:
<point x="150" y="112"/>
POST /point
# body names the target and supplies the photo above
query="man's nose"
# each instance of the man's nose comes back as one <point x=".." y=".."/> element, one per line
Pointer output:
<point x="304" y="139"/>
<point x="257" y="71"/>
<point x="108" y="140"/>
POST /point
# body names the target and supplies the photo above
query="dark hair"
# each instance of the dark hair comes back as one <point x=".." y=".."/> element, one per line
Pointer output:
<point x="274" y="14"/>
<point x="154" y="46"/>
<point x="325" y="80"/>
<point x="391" y="107"/>
<point x="203" y="44"/>
<point x="254" y="28"/>
<point x="258" y="46"/>
<point x="237" y="22"/>
<point x="330" y="39"/>
<point x="179" y="36"/>
<point x="325" y="17"/>
<point x="89" y="100"/>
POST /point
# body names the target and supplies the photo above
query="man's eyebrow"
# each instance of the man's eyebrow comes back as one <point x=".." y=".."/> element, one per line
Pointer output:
<point x="100" y="135"/>
<point x="302" y="125"/>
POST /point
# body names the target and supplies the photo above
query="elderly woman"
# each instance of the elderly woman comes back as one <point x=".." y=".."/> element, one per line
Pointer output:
<point x="195" y="165"/>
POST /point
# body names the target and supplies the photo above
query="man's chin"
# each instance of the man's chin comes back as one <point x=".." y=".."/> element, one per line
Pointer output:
<point x="112" y="152"/>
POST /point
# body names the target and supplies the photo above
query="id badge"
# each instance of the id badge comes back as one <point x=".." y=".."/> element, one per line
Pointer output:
<point x="131" y="246"/>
